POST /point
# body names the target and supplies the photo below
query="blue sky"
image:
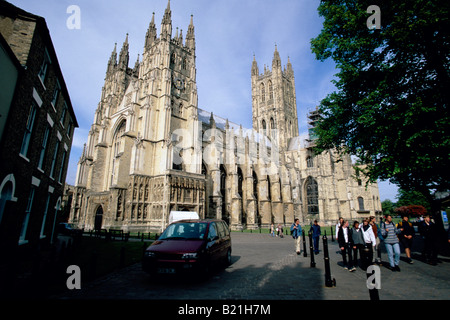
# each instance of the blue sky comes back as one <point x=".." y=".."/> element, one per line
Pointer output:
<point x="228" y="34"/>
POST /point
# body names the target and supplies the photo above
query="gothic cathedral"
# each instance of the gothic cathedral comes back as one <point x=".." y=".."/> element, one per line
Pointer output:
<point x="151" y="150"/>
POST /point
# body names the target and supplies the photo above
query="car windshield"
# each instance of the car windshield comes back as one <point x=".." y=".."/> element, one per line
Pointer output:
<point x="183" y="231"/>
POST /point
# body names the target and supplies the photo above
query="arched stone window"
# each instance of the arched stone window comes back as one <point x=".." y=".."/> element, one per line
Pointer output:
<point x="118" y="148"/>
<point x="98" y="218"/>
<point x="270" y="90"/>
<point x="361" y="203"/>
<point x="263" y="92"/>
<point x="118" y="138"/>
<point x="7" y="189"/>
<point x="309" y="162"/>
<point x="312" y="195"/>
<point x="272" y="127"/>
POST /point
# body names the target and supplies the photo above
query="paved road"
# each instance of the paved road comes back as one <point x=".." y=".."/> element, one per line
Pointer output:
<point x="267" y="268"/>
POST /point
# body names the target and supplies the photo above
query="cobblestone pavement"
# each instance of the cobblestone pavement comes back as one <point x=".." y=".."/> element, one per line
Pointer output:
<point x="267" y="268"/>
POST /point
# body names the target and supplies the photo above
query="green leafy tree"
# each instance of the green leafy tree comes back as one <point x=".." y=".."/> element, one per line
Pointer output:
<point x="388" y="207"/>
<point x="391" y="106"/>
<point x="411" y="197"/>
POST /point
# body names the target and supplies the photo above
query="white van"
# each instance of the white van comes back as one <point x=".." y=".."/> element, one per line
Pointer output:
<point x="182" y="215"/>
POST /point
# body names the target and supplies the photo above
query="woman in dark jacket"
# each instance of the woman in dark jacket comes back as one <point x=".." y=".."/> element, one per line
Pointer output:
<point x="406" y="236"/>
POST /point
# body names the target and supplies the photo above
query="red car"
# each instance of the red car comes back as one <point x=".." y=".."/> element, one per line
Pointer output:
<point x="189" y="246"/>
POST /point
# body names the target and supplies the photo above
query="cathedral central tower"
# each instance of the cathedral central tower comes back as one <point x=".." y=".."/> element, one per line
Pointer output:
<point x="274" y="105"/>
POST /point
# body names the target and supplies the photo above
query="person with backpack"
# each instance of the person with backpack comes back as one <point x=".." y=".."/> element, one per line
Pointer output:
<point x="390" y="232"/>
<point x="296" y="232"/>
<point x="315" y="229"/>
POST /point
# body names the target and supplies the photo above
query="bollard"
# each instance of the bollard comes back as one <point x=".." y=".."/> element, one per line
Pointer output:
<point x="313" y="263"/>
<point x="332" y="234"/>
<point x="305" y="254"/>
<point x="328" y="281"/>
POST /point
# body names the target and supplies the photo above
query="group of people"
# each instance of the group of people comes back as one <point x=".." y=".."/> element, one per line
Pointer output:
<point x="364" y="239"/>
<point x="276" y="232"/>
<point x="296" y="232"/>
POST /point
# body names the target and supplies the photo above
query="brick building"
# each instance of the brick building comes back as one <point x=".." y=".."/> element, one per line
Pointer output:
<point x="38" y="125"/>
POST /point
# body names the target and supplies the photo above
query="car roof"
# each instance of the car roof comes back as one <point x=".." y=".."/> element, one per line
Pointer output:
<point x="197" y="221"/>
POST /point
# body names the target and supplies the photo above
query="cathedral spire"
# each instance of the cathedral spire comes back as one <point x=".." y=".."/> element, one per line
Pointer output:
<point x="180" y="39"/>
<point x="150" y="37"/>
<point x="255" y="70"/>
<point x="289" y="67"/>
<point x="112" y="60"/>
<point x="190" y="36"/>
<point x="166" y="24"/>
<point x="276" y="62"/>
<point x="136" y="66"/>
<point x="124" y="55"/>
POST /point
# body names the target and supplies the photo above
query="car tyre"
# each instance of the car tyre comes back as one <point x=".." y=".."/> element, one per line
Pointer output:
<point x="228" y="258"/>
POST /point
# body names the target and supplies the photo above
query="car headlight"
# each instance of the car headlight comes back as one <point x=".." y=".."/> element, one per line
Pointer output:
<point x="149" y="254"/>
<point x="192" y="255"/>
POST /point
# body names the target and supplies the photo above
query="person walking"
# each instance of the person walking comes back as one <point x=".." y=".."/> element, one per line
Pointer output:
<point x="381" y="239"/>
<point x="369" y="244"/>
<point x="427" y="230"/>
<point x="296" y="232"/>
<point x="376" y="254"/>
<point x="406" y="236"/>
<point x="338" y="224"/>
<point x="357" y="242"/>
<point x="390" y="232"/>
<point x="272" y="230"/>
<point x="345" y="246"/>
<point x="315" y="229"/>
<point x="279" y="231"/>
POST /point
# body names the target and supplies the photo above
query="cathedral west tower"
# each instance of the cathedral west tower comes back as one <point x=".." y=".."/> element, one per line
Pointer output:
<point x="131" y="173"/>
